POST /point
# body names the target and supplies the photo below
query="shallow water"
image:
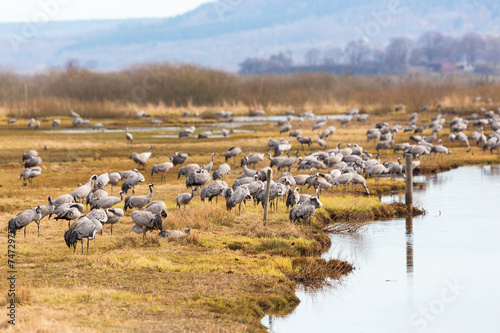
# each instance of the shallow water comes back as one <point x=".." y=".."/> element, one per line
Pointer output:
<point x="434" y="273"/>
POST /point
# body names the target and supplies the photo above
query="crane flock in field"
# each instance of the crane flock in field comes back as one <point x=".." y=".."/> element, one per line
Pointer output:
<point x="326" y="169"/>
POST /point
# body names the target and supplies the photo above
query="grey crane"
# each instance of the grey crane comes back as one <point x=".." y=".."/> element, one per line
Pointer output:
<point x="252" y="158"/>
<point x="295" y="133"/>
<point x="81" y="192"/>
<point x="74" y="114"/>
<point x="85" y="227"/>
<point x="11" y="121"/>
<point x="96" y="194"/>
<point x="29" y="154"/>
<point x="156" y="207"/>
<point x="225" y="133"/>
<point x="24" y="218"/>
<point x="288" y="163"/>
<point x="31" y="122"/>
<point x="285" y="128"/>
<point x="114" y="179"/>
<point x="304" y="140"/>
<point x="62" y="199"/>
<point x="126" y="174"/>
<point x="232" y="152"/>
<point x="114" y="216"/>
<point x="106" y="202"/>
<point x="395" y="168"/>
<point x="384" y="145"/>
<point x="275" y="191"/>
<point x="29" y="174"/>
<point x="293" y="197"/>
<point x="213" y="190"/>
<point x="358" y="179"/>
<point x="142" y="158"/>
<point x="175" y="233"/>
<point x="161" y="168"/>
<point x="221" y="171"/>
<point x="129" y="136"/>
<point x="322" y="143"/>
<point x="184" y="199"/>
<point x="68" y="212"/>
<point x="102" y="181"/>
<point x="275" y="160"/>
<point x="240" y="195"/>
<point x="77" y="121"/>
<point x="440" y="149"/>
<point x="131" y="182"/>
<point x="327" y="132"/>
<point x="140" y="114"/>
<point x="376" y="171"/>
<point x="139" y="201"/>
<point x="178" y="158"/>
<point x="198" y="178"/>
<point x="206" y="134"/>
<point x="187" y="169"/>
<point x="146" y="221"/>
<point x="208" y="167"/>
<point x="32" y="162"/>
<point x="305" y="211"/>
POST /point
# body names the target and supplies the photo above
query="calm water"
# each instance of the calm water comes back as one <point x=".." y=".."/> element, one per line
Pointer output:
<point x="435" y="273"/>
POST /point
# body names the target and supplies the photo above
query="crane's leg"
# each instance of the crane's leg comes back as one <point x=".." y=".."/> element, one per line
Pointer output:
<point x="38" y="224"/>
<point x="111" y="230"/>
<point x="24" y="232"/>
<point x="88" y="245"/>
<point x="74" y="248"/>
<point x="68" y="224"/>
<point x="82" y="246"/>
<point x="239" y="212"/>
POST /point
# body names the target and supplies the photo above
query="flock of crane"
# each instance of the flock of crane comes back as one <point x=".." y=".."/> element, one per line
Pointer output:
<point x="327" y="168"/>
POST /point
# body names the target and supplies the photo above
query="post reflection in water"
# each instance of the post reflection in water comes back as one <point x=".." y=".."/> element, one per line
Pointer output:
<point x="409" y="256"/>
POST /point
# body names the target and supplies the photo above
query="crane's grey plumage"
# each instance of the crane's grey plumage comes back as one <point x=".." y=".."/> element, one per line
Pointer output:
<point x="29" y="154"/>
<point x="29" y="174"/>
<point x="184" y="199"/>
<point x="106" y="202"/>
<point x="114" y="216"/>
<point x="32" y="162"/>
<point x="68" y="212"/>
<point x="221" y="171"/>
<point x="232" y="152"/>
<point x="358" y="179"/>
<point x="175" y="233"/>
<point x="178" y="158"/>
<point x="102" y="181"/>
<point x="161" y="168"/>
<point x="157" y="207"/>
<point x="131" y="182"/>
<point x="129" y="136"/>
<point x="252" y="158"/>
<point x="208" y="167"/>
<point x="213" y="190"/>
<point x="86" y="226"/>
<point x="187" y="169"/>
<point x="81" y="192"/>
<point x="305" y="211"/>
<point x="95" y="194"/>
<point x="292" y="198"/>
<point x="199" y="177"/>
<point x="142" y="158"/>
<point x="24" y="218"/>
<point x="139" y="201"/>
<point x="146" y="221"/>
<point x="114" y="179"/>
<point x="240" y="195"/>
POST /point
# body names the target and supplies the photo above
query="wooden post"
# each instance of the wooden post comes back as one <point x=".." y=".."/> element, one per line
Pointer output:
<point x="409" y="183"/>
<point x="268" y="189"/>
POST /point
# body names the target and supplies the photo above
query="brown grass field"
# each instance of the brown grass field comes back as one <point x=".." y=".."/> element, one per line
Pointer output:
<point x="224" y="276"/>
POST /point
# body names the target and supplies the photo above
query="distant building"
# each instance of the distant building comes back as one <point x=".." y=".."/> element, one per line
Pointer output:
<point x="442" y="66"/>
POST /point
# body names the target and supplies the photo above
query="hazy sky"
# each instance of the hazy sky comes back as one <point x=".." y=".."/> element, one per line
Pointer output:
<point x="63" y="10"/>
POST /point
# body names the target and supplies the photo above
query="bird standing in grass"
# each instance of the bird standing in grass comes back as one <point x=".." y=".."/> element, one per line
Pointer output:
<point x="129" y="136"/>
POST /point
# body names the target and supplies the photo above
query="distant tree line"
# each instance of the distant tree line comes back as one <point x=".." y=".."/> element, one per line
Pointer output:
<point x="432" y="50"/>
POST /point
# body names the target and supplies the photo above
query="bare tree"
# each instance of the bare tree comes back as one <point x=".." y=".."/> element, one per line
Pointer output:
<point x="312" y="57"/>
<point x="492" y="49"/>
<point x="397" y="53"/>
<point x="472" y="46"/>
<point x="357" y="51"/>
<point x="333" y="56"/>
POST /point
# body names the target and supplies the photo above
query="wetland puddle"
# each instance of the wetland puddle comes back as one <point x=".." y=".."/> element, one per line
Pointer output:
<point x="432" y="273"/>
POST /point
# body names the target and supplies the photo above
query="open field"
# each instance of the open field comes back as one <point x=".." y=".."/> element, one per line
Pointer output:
<point x="221" y="278"/>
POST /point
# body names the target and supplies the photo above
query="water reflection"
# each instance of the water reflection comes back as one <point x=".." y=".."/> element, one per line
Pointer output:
<point x="404" y="266"/>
